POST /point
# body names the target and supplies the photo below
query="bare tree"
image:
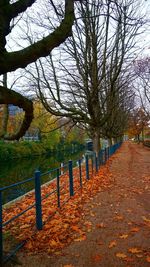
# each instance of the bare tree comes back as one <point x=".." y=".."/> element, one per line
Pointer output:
<point x="142" y="84"/>
<point x="10" y="61"/>
<point x="85" y="84"/>
<point x="119" y="106"/>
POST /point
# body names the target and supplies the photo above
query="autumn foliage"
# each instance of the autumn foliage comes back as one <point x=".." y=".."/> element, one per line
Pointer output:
<point x="112" y="225"/>
<point x="62" y="225"/>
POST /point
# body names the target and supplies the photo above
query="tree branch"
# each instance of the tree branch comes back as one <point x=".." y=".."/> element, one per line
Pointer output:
<point x="19" y="7"/>
<point x="20" y="59"/>
<point x="8" y="96"/>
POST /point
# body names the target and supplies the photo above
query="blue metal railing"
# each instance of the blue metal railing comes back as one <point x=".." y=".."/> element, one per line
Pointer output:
<point x="95" y="163"/>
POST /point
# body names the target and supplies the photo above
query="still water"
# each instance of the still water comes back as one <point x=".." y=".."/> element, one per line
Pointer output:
<point x="18" y="170"/>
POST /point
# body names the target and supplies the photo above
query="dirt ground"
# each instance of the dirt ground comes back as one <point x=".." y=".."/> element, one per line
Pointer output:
<point x="119" y="217"/>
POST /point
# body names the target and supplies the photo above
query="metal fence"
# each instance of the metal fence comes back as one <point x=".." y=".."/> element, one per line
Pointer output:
<point x="146" y="143"/>
<point x="89" y="164"/>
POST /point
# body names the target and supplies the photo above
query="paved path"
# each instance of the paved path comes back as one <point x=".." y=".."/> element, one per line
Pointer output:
<point x="119" y="218"/>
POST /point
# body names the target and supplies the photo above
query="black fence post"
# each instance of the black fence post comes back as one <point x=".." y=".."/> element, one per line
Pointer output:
<point x="39" y="223"/>
<point x="1" y="231"/>
<point x="96" y="163"/>
<point x="58" y="189"/>
<point x="87" y="166"/>
<point x="105" y="154"/>
<point x="100" y="157"/>
<point x="108" y="154"/>
<point x="80" y="172"/>
<point x="71" y="178"/>
<point x="92" y="163"/>
<point x="99" y="160"/>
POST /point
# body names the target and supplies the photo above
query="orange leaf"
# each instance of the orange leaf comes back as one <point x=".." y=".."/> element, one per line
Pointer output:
<point x="100" y="243"/>
<point x="124" y="236"/>
<point x="148" y="259"/>
<point x="135" y="229"/>
<point x="134" y="250"/>
<point x="68" y="265"/>
<point x="24" y="226"/>
<point x="96" y="258"/>
<point x="29" y="245"/>
<point x="128" y="259"/>
<point x="100" y="225"/>
<point x="88" y="224"/>
<point x="118" y="218"/>
<point x="75" y="228"/>
<point x="80" y="238"/>
<point x="139" y="256"/>
<point x="112" y="244"/>
<point x="92" y="214"/>
<point x="145" y="219"/>
<point x="129" y="210"/>
<point x="121" y="255"/>
<point x="53" y="243"/>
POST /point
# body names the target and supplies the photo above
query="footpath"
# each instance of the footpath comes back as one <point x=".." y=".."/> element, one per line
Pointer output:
<point x="118" y="219"/>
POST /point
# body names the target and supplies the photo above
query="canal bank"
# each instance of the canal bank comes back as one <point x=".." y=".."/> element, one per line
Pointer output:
<point x="17" y="170"/>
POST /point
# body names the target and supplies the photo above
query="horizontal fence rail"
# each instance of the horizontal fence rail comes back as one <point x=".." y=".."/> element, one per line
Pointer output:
<point x="90" y="163"/>
<point x="146" y="143"/>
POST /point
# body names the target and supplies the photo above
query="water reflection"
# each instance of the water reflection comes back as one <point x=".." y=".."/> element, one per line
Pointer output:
<point x="19" y="170"/>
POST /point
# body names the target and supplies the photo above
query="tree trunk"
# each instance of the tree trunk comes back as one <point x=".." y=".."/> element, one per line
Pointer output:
<point x="138" y="138"/>
<point x="5" y="117"/>
<point x="96" y="142"/>
<point x="143" y="135"/>
<point x="115" y="140"/>
<point x="110" y="142"/>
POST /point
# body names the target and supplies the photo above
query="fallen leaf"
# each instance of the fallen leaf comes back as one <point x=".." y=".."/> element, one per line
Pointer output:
<point x="68" y="265"/>
<point x="129" y="210"/>
<point x="75" y="228"/>
<point x="100" y="225"/>
<point x="121" y="255"/>
<point x="54" y="243"/>
<point x="124" y="236"/>
<point x="145" y="219"/>
<point x="82" y="238"/>
<point x="100" y="243"/>
<point x="128" y="259"/>
<point x="87" y="223"/>
<point x="92" y="214"/>
<point x="77" y="255"/>
<point x="96" y="258"/>
<point x="29" y="245"/>
<point x="119" y="218"/>
<point x="63" y="226"/>
<point x="24" y="226"/>
<point x="148" y="259"/>
<point x="139" y="256"/>
<point x="112" y="244"/>
<point x="58" y="253"/>
<point x="134" y="250"/>
<point x="135" y="229"/>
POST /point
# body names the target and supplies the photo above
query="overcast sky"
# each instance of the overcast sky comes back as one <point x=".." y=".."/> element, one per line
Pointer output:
<point x="143" y="40"/>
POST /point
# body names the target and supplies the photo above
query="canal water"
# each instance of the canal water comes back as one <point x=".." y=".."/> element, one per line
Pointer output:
<point x="18" y="170"/>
